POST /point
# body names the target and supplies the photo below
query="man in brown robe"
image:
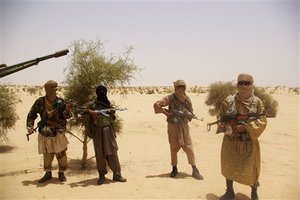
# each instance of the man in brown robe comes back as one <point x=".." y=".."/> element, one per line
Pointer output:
<point x="103" y="134"/>
<point x="240" y="153"/>
<point x="178" y="128"/>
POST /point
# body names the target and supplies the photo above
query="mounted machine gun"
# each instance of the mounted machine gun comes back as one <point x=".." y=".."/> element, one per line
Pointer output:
<point x="7" y="70"/>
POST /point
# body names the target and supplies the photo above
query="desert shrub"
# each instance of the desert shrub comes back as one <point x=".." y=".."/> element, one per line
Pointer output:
<point x="8" y="115"/>
<point x="296" y="90"/>
<point x="118" y="125"/>
<point x="168" y="90"/>
<point x="150" y="91"/>
<point x="217" y="93"/>
<point x="140" y="90"/>
<point x="271" y="105"/>
<point x="124" y="91"/>
<point x="197" y="90"/>
<point x="156" y="90"/>
<point x="33" y="90"/>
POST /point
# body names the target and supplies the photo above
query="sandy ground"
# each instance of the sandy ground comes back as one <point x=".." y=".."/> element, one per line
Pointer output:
<point x="145" y="158"/>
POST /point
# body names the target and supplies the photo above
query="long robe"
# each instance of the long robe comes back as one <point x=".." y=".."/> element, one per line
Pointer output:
<point x="240" y="160"/>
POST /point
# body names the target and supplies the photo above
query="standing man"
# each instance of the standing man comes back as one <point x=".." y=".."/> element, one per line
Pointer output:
<point x="240" y="153"/>
<point x="103" y="134"/>
<point x="53" y="112"/>
<point x="178" y="128"/>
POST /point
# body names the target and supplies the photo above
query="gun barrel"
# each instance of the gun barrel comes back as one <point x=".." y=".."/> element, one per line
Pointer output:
<point x="55" y="55"/>
<point x="61" y="53"/>
<point x="3" y="65"/>
<point x="7" y="70"/>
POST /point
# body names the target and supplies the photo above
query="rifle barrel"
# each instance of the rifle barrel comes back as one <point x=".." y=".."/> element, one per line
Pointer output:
<point x="7" y="70"/>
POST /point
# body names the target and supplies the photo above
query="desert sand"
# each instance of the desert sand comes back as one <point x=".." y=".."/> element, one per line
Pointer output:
<point x="145" y="158"/>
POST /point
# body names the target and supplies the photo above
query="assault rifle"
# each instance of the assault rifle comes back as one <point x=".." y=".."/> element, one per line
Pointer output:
<point x="235" y="117"/>
<point x="187" y="114"/>
<point x="105" y="112"/>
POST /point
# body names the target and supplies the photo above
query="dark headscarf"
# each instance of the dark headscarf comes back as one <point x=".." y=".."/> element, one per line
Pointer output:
<point x="101" y="92"/>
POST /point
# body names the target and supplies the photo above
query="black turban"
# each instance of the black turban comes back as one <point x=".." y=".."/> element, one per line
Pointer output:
<point x="101" y="92"/>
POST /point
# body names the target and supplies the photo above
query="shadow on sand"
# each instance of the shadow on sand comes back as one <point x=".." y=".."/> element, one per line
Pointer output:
<point x="74" y="168"/>
<point x="180" y="175"/>
<point x="6" y="148"/>
<point x="238" y="196"/>
<point x="89" y="182"/>
<point x="37" y="184"/>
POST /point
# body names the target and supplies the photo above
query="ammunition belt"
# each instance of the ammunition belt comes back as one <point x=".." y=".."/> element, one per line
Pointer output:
<point x="50" y="132"/>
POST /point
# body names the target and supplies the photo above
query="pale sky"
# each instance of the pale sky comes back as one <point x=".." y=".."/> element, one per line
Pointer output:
<point x="201" y="42"/>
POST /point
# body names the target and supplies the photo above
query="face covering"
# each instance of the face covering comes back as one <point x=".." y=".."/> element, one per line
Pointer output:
<point x="180" y="87"/>
<point x="245" y="86"/>
<point x="50" y="89"/>
<point x="101" y="92"/>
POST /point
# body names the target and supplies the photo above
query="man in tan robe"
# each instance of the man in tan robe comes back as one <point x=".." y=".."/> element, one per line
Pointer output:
<point x="178" y="128"/>
<point x="52" y="141"/>
<point x="240" y="153"/>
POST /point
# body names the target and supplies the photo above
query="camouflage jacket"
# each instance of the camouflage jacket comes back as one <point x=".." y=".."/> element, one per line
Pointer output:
<point x="57" y="118"/>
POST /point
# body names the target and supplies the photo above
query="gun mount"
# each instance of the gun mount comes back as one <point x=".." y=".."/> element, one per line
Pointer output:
<point x="7" y="70"/>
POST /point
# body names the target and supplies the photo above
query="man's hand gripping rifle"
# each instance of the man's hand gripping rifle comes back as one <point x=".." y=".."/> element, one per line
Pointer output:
<point x="236" y="118"/>
<point x="187" y="114"/>
<point x="31" y="131"/>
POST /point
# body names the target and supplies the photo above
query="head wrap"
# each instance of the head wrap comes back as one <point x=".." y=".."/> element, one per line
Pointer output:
<point x="101" y="92"/>
<point x="180" y="93"/>
<point x="245" y="77"/>
<point x="50" y="89"/>
<point x="50" y="84"/>
<point x="179" y="83"/>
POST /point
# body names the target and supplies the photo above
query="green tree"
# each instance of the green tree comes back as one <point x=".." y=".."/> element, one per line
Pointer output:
<point x="89" y="67"/>
<point x="8" y="115"/>
<point x="219" y="91"/>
